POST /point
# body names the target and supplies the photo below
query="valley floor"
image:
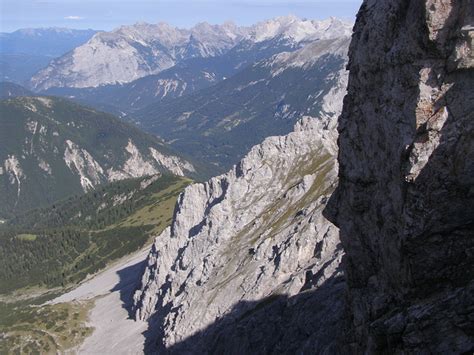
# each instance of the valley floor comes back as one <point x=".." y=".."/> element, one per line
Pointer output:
<point x="112" y="290"/>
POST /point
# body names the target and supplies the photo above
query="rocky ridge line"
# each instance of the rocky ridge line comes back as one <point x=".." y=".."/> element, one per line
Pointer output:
<point x="244" y="242"/>
<point x="133" y="52"/>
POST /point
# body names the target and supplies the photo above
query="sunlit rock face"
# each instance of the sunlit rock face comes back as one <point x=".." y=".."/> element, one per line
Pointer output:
<point x="249" y="255"/>
<point x="405" y="202"/>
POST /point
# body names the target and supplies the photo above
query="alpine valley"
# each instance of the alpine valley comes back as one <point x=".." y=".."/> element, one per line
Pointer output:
<point x="294" y="186"/>
<point x="215" y="103"/>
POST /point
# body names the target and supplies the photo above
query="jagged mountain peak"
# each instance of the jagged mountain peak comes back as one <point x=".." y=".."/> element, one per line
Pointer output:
<point x="161" y="32"/>
<point x="298" y="30"/>
<point x="204" y="31"/>
<point x="132" y="52"/>
<point x="170" y="35"/>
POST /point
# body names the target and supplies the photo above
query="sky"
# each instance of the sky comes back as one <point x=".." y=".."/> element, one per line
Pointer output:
<point x="110" y="14"/>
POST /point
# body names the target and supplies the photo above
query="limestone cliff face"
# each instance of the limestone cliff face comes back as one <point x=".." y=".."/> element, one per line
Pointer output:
<point x="249" y="255"/>
<point x="405" y="202"/>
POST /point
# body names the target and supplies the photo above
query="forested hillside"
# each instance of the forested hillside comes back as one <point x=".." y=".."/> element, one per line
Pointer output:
<point x="51" y="148"/>
<point x="63" y="243"/>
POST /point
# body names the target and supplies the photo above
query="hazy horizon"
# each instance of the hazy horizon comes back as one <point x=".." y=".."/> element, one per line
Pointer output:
<point x="155" y="23"/>
<point x="107" y="15"/>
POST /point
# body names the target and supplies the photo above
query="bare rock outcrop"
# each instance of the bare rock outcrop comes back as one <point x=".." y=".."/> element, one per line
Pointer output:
<point x="249" y="254"/>
<point x="405" y="201"/>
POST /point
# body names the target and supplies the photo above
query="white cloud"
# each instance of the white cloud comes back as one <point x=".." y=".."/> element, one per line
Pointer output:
<point x="75" y="18"/>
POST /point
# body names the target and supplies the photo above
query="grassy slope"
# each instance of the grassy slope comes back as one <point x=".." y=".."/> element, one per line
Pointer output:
<point x="26" y="327"/>
<point x="62" y="244"/>
<point x="50" y="329"/>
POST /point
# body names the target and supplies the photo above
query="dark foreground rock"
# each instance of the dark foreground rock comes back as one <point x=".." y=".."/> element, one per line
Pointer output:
<point x="405" y="202"/>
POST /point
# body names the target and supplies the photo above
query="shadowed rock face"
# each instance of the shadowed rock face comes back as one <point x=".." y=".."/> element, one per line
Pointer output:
<point x="405" y="201"/>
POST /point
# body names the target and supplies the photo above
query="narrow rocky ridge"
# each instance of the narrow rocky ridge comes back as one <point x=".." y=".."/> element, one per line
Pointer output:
<point x="252" y="245"/>
<point x="245" y="242"/>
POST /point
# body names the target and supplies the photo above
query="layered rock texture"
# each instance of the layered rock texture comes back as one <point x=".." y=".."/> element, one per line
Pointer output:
<point x="405" y="201"/>
<point x="250" y="264"/>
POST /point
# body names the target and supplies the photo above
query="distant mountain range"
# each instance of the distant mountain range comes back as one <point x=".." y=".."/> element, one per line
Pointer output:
<point x="222" y="120"/>
<point x="211" y="93"/>
<point x="51" y="148"/>
<point x="133" y="52"/>
<point x="49" y="42"/>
